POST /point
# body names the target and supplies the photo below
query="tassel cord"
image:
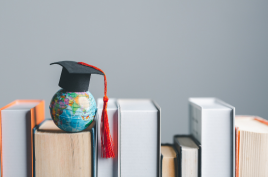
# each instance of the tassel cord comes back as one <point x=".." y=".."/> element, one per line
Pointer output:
<point x="107" y="150"/>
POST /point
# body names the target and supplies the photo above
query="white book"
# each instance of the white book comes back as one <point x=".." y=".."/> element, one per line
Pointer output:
<point x="108" y="167"/>
<point x="17" y="121"/>
<point x="212" y="124"/>
<point x="139" y="138"/>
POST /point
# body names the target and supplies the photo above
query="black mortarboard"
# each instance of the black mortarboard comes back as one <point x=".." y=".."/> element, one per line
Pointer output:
<point x="75" y="77"/>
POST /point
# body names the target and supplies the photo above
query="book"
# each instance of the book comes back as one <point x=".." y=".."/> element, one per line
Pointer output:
<point x="17" y="122"/>
<point x="212" y="124"/>
<point x="189" y="151"/>
<point x="108" y="167"/>
<point x="139" y="138"/>
<point x="62" y="154"/>
<point x="169" y="161"/>
<point x="251" y="146"/>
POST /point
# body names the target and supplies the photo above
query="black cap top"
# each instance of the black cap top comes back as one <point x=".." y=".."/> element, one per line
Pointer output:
<point x="75" y="77"/>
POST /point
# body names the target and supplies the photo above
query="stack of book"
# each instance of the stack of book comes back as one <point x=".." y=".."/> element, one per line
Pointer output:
<point x="219" y="144"/>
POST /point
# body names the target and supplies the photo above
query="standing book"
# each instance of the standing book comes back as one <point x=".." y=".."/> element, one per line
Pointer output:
<point x="139" y="138"/>
<point x="189" y="152"/>
<point x="63" y="154"/>
<point x="212" y="124"/>
<point x="108" y="167"/>
<point x="169" y="161"/>
<point x="17" y="122"/>
<point x="251" y="146"/>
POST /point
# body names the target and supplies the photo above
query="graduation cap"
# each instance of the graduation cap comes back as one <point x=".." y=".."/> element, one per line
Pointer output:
<point x="75" y="77"/>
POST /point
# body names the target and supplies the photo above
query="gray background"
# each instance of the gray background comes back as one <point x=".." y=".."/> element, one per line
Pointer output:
<point x="165" y="50"/>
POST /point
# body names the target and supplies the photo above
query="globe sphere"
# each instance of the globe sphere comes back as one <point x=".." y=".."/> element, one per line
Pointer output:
<point x="72" y="111"/>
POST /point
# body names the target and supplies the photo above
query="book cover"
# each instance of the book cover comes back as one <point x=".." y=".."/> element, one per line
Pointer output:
<point x="17" y="121"/>
<point x="62" y="154"/>
<point x="212" y="124"/>
<point x="139" y="138"/>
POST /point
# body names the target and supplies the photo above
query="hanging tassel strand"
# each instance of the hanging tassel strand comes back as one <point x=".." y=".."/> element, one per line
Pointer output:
<point x="107" y="145"/>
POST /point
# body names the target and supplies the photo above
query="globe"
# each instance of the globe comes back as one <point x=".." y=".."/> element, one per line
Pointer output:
<point x="72" y="111"/>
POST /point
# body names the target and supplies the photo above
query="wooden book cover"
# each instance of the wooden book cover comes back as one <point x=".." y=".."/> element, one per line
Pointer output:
<point x="37" y="115"/>
<point x="62" y="154"/>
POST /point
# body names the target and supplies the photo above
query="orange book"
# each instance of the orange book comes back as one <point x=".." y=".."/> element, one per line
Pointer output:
<point x="18" y="119"/>
<point x="251" y="146"/>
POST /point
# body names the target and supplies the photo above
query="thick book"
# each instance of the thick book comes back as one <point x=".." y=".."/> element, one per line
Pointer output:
<point x="139" y="138"/>
<point x="62" y="154"/>
<point x="251" y="146"/>
<point x="212" y="124"/>
<point x="108" y="167"/>
<point x="17" y="122"/>
<point x="189" y="152"/>
<point x="169" y="161"/>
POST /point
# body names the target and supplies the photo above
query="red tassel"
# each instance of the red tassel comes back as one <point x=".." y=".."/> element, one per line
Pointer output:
<point x="107" y="145"/>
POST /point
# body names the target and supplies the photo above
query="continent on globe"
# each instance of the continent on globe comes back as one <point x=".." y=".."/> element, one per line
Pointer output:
<point x="72" y="111"/>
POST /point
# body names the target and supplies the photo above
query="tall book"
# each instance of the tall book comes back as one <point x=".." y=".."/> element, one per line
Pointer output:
<point x="139" y="138"/>
<point x="212" y="124"/>
<point x="62" y="154"/>
<point x="108" y="167"/>
<point x="251" y="146"/>
<point x="17" y="122"/>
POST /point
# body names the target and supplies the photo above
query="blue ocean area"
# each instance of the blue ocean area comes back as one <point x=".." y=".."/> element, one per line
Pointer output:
<point x="72" y="123"/>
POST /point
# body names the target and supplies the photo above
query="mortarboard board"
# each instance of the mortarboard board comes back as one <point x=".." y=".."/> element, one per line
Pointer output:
<point x="75" y="77"/>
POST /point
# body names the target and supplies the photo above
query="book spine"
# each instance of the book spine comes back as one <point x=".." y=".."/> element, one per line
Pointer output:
<point x="93" y="147"/>
<point x="237" y="143"/>
<point x="159" y="136"/>
<point x="119" y="141"/>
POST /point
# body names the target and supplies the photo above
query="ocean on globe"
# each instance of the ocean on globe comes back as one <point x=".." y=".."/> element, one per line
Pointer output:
<point x="72" y="111"/>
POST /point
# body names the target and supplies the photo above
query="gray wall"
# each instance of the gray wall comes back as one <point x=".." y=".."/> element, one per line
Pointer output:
<point x="165" y="50"/>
